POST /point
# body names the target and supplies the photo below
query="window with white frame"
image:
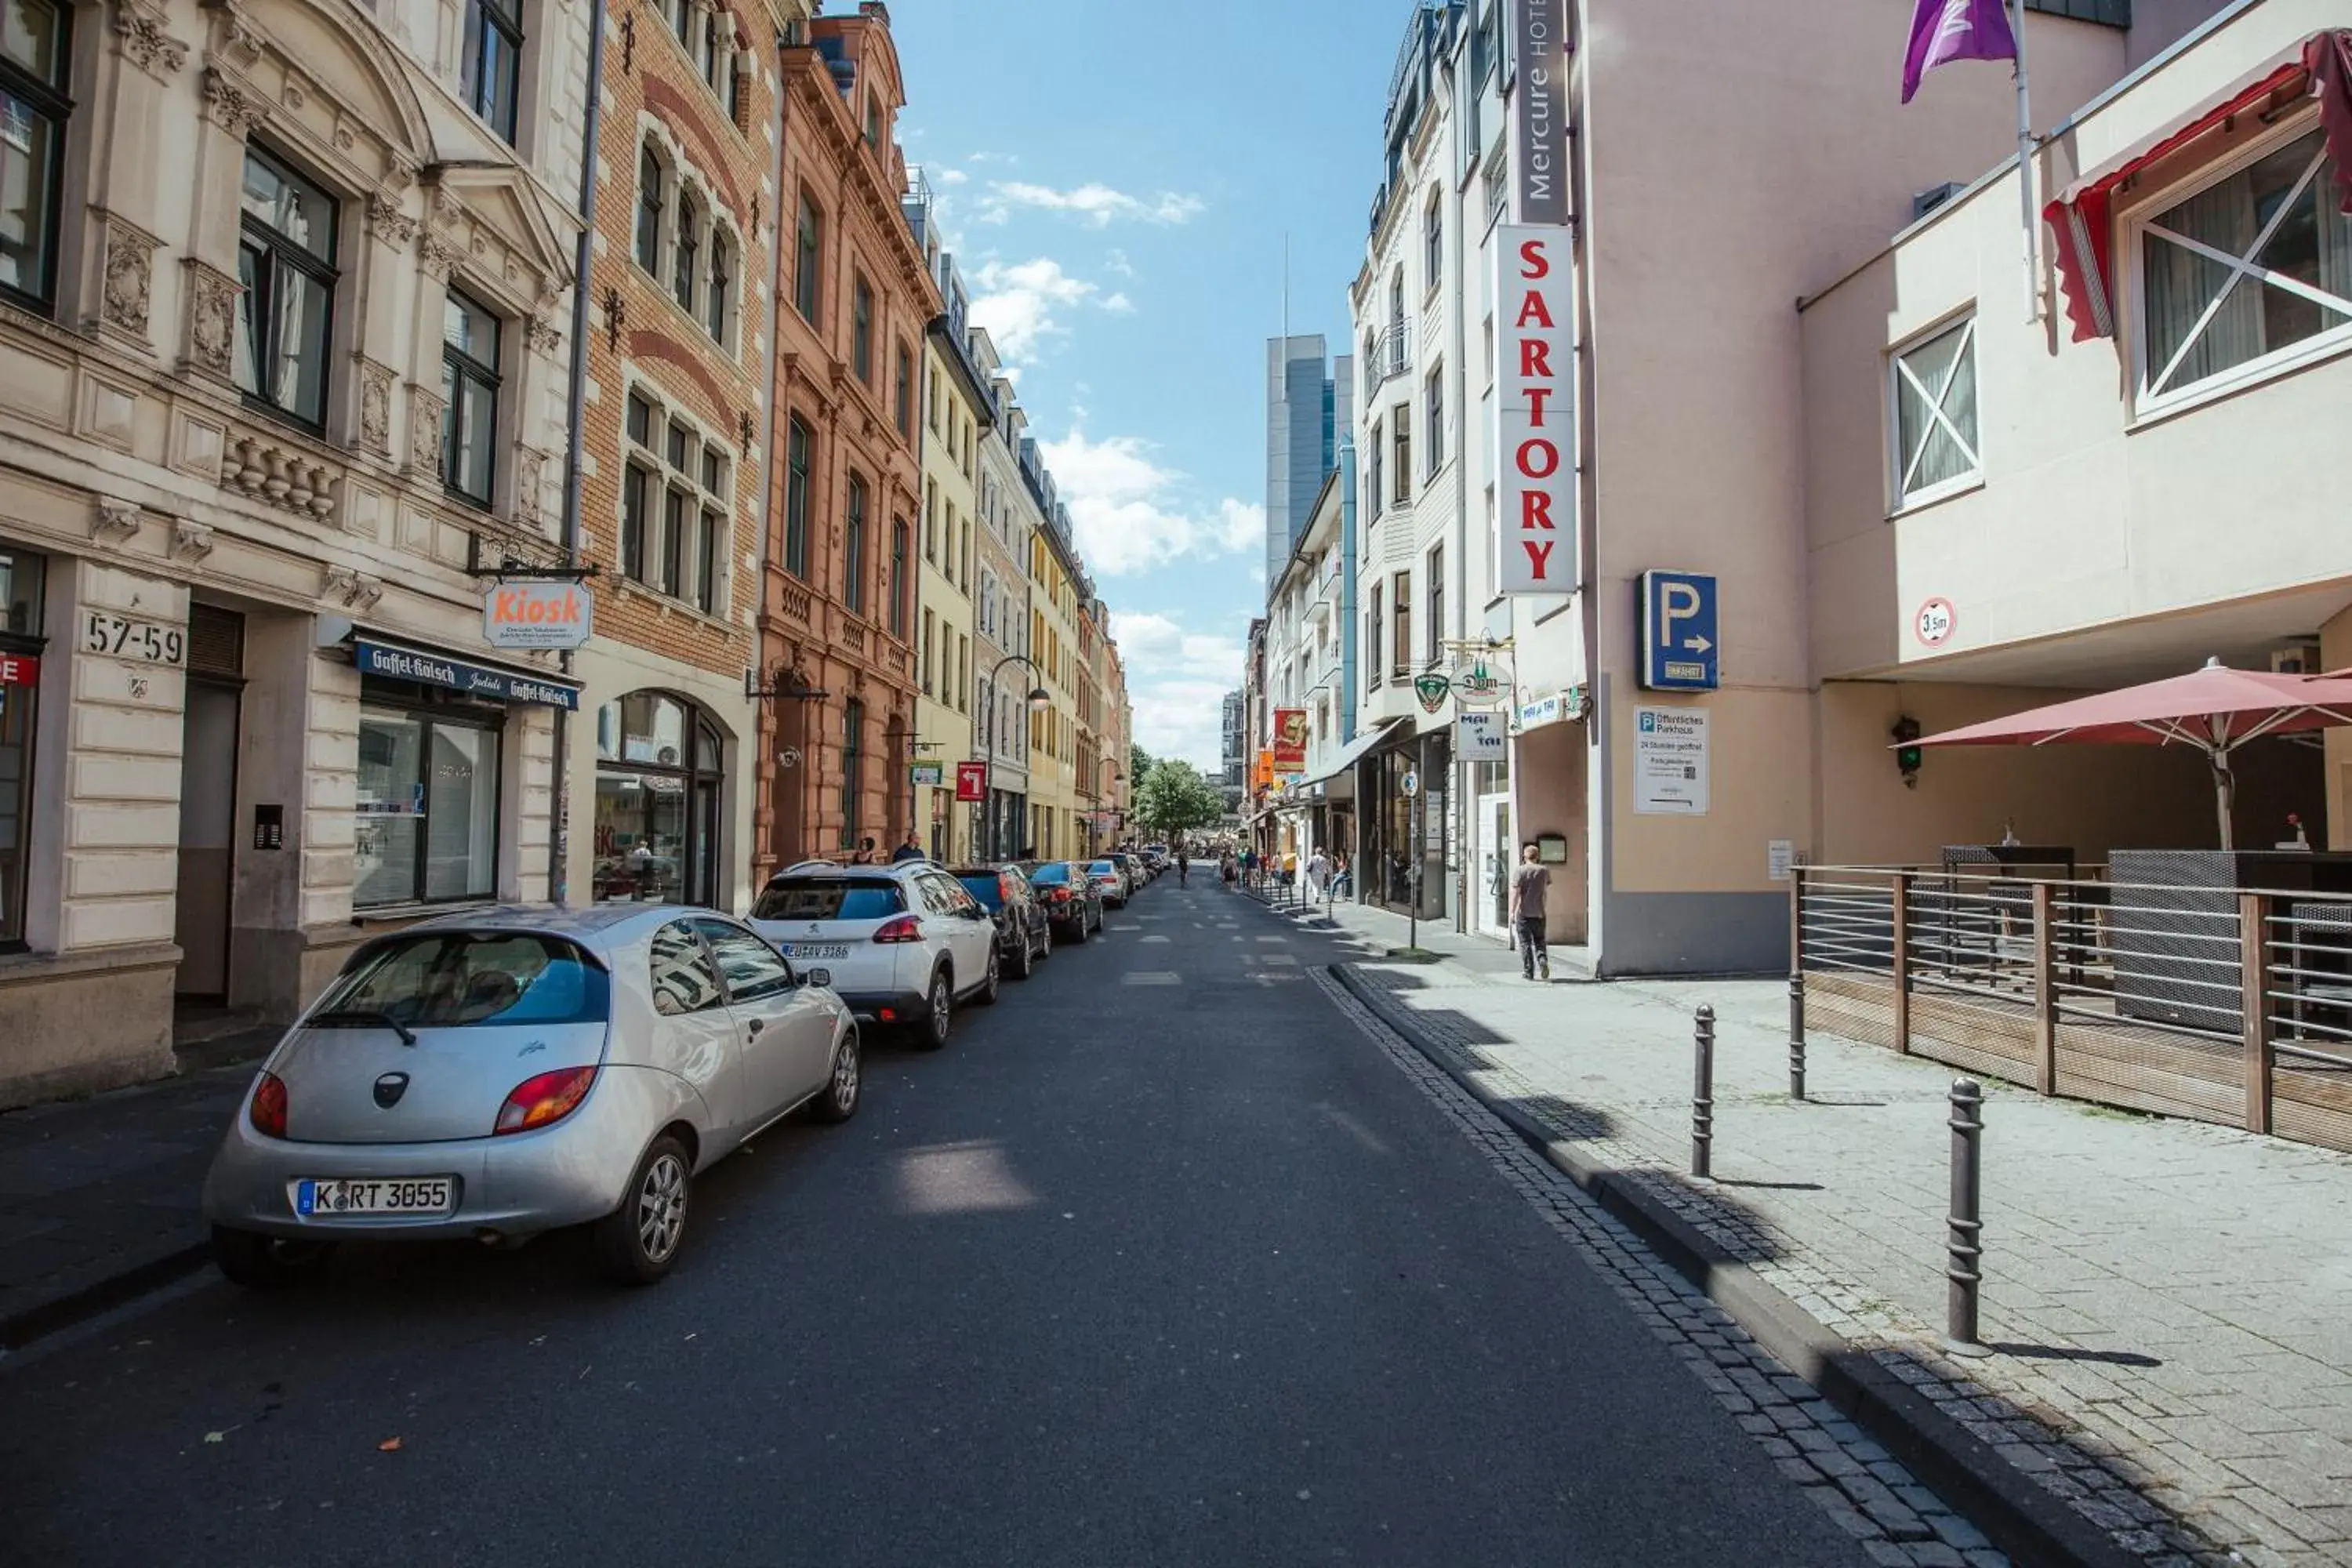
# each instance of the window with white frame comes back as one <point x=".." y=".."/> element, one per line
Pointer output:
<point x="681" y="242"/>
<point x="469" y="397"/>
<point x="676" y="499"/>
<point x="35" y="70"/>
<point x="1936" y="441"/>
<point x="493" y="62"/>
<point x="2244" y="274"/>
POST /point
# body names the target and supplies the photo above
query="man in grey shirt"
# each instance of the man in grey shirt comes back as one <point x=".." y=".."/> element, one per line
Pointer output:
<point x="1529" y="883"/>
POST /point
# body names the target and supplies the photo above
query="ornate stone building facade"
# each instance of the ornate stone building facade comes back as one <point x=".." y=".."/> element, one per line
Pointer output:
<point x="284" y="302"/>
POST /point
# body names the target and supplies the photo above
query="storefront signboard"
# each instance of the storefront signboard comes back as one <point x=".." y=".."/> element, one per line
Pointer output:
<point x="19" y="669"/>
<point x="1535" y="411"/>
<point x="1482" y="679"/>
<point x="972" y="780"/>
<point x="927" y="775"/>
<point x="1670" y="762"/>
<point x="1289" y="741"/>
<point x="475" y="681"/>
<point x="537" y="614"/>
<point x="1433" y="690"/>
<point x="1480" y="738"/>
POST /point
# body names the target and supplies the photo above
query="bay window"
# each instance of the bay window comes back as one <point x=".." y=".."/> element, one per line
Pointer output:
<point x="36" y="57"/>
<point x="2244" y="271"/>
<point x="285" y="260"/>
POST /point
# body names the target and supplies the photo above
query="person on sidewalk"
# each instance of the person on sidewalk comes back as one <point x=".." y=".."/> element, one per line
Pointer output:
<point x="911" y="850"/>
<point x="1530" y="884"/>
<point x="1319" y="873"/>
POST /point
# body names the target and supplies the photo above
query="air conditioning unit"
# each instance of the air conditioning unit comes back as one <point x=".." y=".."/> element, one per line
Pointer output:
<point x="1934" y="197"/>
<point x="2295" y="659"/>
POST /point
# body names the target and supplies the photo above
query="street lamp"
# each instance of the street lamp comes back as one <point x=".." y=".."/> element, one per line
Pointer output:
<point x="1039" y="699"/>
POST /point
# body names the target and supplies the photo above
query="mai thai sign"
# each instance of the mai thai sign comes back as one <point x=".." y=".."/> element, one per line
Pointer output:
<point x="1535" y="412"/>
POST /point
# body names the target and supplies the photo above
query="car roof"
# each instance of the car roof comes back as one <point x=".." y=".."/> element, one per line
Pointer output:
<point x="811" y="868"/>
<point x="595" y="926"/>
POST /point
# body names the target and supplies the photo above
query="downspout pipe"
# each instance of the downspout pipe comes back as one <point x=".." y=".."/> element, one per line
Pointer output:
<point x="559" y="886"/>
<point x="1466" y="843"/>
<point x="774" y="747"/>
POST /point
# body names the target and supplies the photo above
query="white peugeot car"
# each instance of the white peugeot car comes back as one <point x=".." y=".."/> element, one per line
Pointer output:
<point x="902" y="944"/>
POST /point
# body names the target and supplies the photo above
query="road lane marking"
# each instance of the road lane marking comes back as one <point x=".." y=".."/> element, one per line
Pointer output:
<point x="1152" y="977"/>
<point x="1154" y="938"/>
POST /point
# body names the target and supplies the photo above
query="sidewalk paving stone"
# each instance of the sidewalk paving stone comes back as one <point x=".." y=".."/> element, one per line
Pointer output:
<point x="2165" y="1297"/>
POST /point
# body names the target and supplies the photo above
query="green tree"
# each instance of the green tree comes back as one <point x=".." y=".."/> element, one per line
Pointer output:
<point x="1139" y="763"/>
<point x="1175" y="798"/>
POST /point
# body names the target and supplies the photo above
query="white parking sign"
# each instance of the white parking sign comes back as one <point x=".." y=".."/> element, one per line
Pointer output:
<point x="1670" y="762"/>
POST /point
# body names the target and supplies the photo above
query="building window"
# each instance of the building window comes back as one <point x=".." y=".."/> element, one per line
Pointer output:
<point x="853" y="548"/>
<point x="1375" y="496"/>
<point x="861" y="331"/>
<point x="659" y="768"/>
<point x="686" y="260"/>
<point x="690" y="479"/>
<point x="649" y="210"/>
<point x="469" y="397"/>
<point x="1401" y="650"/>
<point x="902" y="395"/>
<point x="806" y="236"/>
<point x="20" y="652"/>
<point x="796" y="498"/>
<point x="1437" y="605"/>
<point x="931" y="627"/>
<point x="494" y="62"/>
<point x="285" y="260"/>
<point x="1935" y="415"/>
<point x="722" y="273"/>
<point x="706" y="560"/>
<point x="898" y="578"/>
<point x="712" y="50"/>
<point x="36" y="55"/>
<point x="853" y="768"/>
<point x="2244" y="272"/>
<point x="1432" y="242"/>
<point x="1401" y="431"/>
<point x="1435" y="396"/>
<point x="635" y="478"/>
<point x="428" y="799"/>
<point x="1372" y="642"/>
<point x="673" y="552"/>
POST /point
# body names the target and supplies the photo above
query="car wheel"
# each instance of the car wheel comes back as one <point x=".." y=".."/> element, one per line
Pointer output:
<point x="936" y="1028"/>
<point x="993" y="986"/>
<point x="1078" y="926"/>
<point x="838" y="1100"/>
<point x="1028" y="964"/>
<point x="1046" y="941"/>
<point x="638" y="1243"/>
<point x="267" y="1262"/>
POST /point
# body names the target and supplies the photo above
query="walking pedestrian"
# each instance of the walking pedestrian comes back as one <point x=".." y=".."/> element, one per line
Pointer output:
<point x="1530" y="882"/>
<point x="1318" y="872"/>
<point x="909" y="850"/>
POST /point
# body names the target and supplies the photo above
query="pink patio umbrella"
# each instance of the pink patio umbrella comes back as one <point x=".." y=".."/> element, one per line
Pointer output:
<point x="2216" y="710"/>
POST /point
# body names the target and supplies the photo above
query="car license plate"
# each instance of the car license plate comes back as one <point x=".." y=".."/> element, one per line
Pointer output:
<point x="813" y="950"/>
<point x="314" y="1196"/>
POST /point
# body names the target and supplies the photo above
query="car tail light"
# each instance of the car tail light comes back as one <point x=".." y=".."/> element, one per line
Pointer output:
<point x="549" y="1097"/>
<point x="1061" y="895"/>
<point x="904" y="927"/>
<point x="268" y="1111"/>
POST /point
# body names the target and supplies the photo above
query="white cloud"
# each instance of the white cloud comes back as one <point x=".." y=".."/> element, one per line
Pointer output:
<point x="1177" y="680"/>
<point x="1127" y="509"/>
<point x="1119" y="264"/>
<point x="1095" y="204"/>
<point x="1017" y="304"/>
<point x="951" y="176"/>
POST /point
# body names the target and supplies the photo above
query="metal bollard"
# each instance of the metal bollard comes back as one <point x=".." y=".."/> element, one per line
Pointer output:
<point x="1964" y="1244"/>
<point x="1703" y="1093"/>
<point x="1796" y="1036"/>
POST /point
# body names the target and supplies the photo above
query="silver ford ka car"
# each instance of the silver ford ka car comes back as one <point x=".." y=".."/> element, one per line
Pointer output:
<point x="496" y="1075"/>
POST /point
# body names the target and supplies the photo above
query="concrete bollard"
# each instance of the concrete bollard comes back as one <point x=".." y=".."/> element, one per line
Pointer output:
<point x="1796" y="1036"/>
<point x="1703" y="1093"/>
<point x="1964" y="1265"/>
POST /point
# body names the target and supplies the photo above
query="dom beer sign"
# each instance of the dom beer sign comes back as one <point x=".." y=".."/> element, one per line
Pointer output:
<point x="537" y="614"/>
<point x="1535" y="412"/>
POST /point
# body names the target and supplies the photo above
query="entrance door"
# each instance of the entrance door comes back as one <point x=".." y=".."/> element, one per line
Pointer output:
<point x="1491" y="895"/>
<point x="207" y="839"/>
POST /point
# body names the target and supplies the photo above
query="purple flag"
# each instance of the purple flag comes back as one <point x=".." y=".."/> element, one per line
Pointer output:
<point x="1943" y="31"/>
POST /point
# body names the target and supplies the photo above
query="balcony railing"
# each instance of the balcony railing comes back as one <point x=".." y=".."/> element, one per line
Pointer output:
<point x="1392" y="355"/>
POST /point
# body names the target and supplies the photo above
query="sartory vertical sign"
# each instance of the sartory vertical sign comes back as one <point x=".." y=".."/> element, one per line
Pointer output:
<point x="1535" y="321"/>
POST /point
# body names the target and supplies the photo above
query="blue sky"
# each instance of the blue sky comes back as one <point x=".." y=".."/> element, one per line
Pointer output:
<point x="1116" y="179"/>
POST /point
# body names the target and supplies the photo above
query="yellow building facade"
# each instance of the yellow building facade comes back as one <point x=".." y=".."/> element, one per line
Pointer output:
<point x="957" y="413"/>
<point x="1057" y="826"/>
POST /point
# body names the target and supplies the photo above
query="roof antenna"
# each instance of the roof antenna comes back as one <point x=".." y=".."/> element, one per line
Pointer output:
<point x="1286" y="290"/>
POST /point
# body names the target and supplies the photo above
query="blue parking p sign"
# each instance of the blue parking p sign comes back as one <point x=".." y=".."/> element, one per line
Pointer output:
<point x="1679" y="632"/>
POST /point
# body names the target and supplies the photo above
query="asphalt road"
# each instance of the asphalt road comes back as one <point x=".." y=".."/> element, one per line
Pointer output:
<point x="1160" y="1262"/>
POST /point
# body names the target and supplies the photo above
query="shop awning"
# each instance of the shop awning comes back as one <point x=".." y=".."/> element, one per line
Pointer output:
<point x="406" y="659"/>
<point x="1356" y="751"/>
<point x="2082" y="215"/>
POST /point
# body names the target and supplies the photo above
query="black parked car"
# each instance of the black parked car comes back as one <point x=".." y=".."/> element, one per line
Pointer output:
<point x="1023" y="934"/>
<point x="1072" y="903"/>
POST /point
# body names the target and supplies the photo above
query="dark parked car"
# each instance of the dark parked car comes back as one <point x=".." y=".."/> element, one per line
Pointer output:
<point x="1023" y="934"/>
<point x="1072" y="902"/>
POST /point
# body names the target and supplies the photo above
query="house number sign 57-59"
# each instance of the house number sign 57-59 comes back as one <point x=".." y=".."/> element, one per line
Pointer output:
<point x="125" y="638"/>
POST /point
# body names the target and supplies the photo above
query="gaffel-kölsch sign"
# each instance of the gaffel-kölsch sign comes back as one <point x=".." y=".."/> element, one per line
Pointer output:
<point x="1534" y="322"/>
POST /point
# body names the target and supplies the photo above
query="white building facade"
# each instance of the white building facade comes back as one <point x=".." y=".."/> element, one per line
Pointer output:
<point x="288" y="321"/>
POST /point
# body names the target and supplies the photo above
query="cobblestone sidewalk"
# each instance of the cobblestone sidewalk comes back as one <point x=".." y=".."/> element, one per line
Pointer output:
<point x="2167" y="1300"/>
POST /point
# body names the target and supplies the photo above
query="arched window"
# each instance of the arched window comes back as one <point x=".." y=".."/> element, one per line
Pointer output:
<point x="659" y="769"/>
<point x="688" y="261"/>
<point x="853" y="549"/>
<point x="722" y="273"/>
<point x="650" y="199"/>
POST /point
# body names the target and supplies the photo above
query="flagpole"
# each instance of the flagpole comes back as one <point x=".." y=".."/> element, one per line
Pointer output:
<point x="2025" y="171"/>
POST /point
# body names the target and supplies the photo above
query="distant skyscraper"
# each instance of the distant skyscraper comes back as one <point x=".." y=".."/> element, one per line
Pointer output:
<point x="1306" y="407"/>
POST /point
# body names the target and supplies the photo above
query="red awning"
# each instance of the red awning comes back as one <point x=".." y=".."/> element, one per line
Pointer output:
<point x="2081" y="217"/>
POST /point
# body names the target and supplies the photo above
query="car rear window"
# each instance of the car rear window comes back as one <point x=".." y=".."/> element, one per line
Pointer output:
<point x="829" y="898"/>
<point x="986" y="889"/>
<point x="1050" y="875"/>
<point x="491" y="979"/>
<point x="1102" y="866"/>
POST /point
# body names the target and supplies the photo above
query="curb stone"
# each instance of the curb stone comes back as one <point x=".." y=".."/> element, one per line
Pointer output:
<point x="2021" y="1517"/>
